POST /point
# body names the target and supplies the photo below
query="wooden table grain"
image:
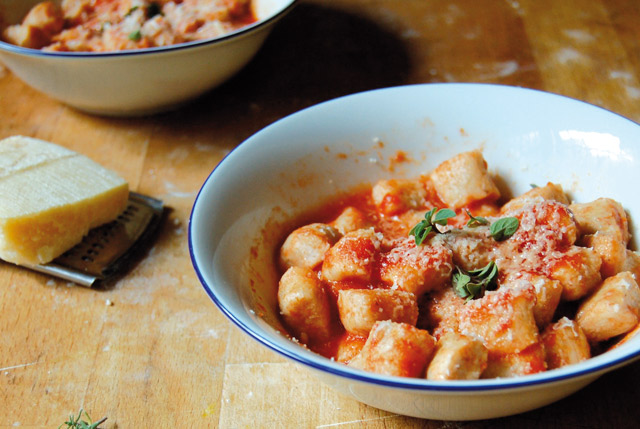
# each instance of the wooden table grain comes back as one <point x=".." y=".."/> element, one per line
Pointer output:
<point x="153" y="351"/>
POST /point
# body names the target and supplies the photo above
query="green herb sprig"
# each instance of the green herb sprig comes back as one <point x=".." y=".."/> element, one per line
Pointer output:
<point x="432" y="218"/>
<point x="77" y="423"/>
<point x="473" y="284"/>
<point x="130" y="11"/>
<point x="135" y="35"/>
<point x="504" y="228"/>
<point x="500" y="230"/>
<point x="476" y="221"/>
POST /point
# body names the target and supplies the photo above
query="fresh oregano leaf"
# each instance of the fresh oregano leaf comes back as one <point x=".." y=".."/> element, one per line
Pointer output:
<point x="473" y="284"/>
<point x="476" y="221"/>
<point x="504" y="228"/>
<point x="460" y="281"/>
<point x="135" y="35"/>
<point x="442" y="216"/>
<point x="428" y="225"/>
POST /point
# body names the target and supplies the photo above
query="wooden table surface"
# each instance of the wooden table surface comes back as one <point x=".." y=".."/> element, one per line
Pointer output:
<point x="162" y="355"/>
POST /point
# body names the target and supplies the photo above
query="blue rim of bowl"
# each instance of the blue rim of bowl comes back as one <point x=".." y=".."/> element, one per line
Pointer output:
<point x="154" y="50"/>
<point x="333" y="368"/>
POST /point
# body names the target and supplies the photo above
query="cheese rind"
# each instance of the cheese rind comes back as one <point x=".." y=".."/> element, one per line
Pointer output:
<point x="50" y="197"/>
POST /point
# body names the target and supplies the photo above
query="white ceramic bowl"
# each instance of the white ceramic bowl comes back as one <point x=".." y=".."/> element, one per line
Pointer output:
<point x="527" y="137"/>
<point x="142" y="81"/>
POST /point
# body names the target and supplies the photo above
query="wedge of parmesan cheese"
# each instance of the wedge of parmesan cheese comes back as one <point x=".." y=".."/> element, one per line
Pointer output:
<point x="50" y="197"/>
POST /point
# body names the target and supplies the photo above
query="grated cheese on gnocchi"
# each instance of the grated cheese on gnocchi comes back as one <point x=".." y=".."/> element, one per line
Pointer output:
<point x="491" y="288"/>
<point x="116" y="25"/>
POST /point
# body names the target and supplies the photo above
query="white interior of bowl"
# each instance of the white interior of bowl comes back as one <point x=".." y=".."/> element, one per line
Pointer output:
<point x="526" y="136"/>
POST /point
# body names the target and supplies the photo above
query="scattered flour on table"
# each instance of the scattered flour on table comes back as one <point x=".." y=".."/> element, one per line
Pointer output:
<point x="568" y="55"/>
<point x="453" y="13"/>
<point x="204" y="147"/>
<point x="59" y="295"/>
<point x="516" y="6"/>
<point x="139" y="290"/>
<point x="174" y="192"/>
<point x="472" y="35"/>
<point x="178" y="224"/>
<point x="448" y="77"/>
<point x="212" y="333"/>
<point x="138" y="376"/>
<point x="178" y="154"/>
<point x="628" y="81"/>
<point x="621" y="75"/>
<point x="633" y="91"/>
<point x="410" y="33"/>
<point x="182" y="322"/>
<point x="579" y="36"/>
<point x="497" y="69"/>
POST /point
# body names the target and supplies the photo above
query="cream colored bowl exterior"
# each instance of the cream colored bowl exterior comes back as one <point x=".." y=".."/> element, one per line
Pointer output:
<point x="140" y="82"/>
<point x="439" y="405"/>
<point x="526" y="136"/>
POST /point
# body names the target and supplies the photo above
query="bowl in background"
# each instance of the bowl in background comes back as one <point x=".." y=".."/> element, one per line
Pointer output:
<point x="141" y="81"/>
<point x="244" y="208"/>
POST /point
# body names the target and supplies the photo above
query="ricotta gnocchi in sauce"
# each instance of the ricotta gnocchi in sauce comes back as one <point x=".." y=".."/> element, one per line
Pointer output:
<point x="438" y="277"/>
<point x="115" y="25"/>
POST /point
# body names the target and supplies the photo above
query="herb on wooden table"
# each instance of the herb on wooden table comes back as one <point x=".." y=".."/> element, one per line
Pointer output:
<point x="77" y="423"/>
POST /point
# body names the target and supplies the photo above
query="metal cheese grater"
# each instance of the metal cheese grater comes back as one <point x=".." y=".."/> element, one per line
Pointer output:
<point x="105" y="250"/>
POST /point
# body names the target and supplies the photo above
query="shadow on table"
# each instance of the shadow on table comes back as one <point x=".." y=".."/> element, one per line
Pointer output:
<point x="609" y="402"/>
<point x="314" y="54"/>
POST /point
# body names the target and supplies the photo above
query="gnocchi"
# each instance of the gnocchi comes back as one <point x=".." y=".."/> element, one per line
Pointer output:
<point x="117" y="25"/>
<point x="441" y="277"/>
